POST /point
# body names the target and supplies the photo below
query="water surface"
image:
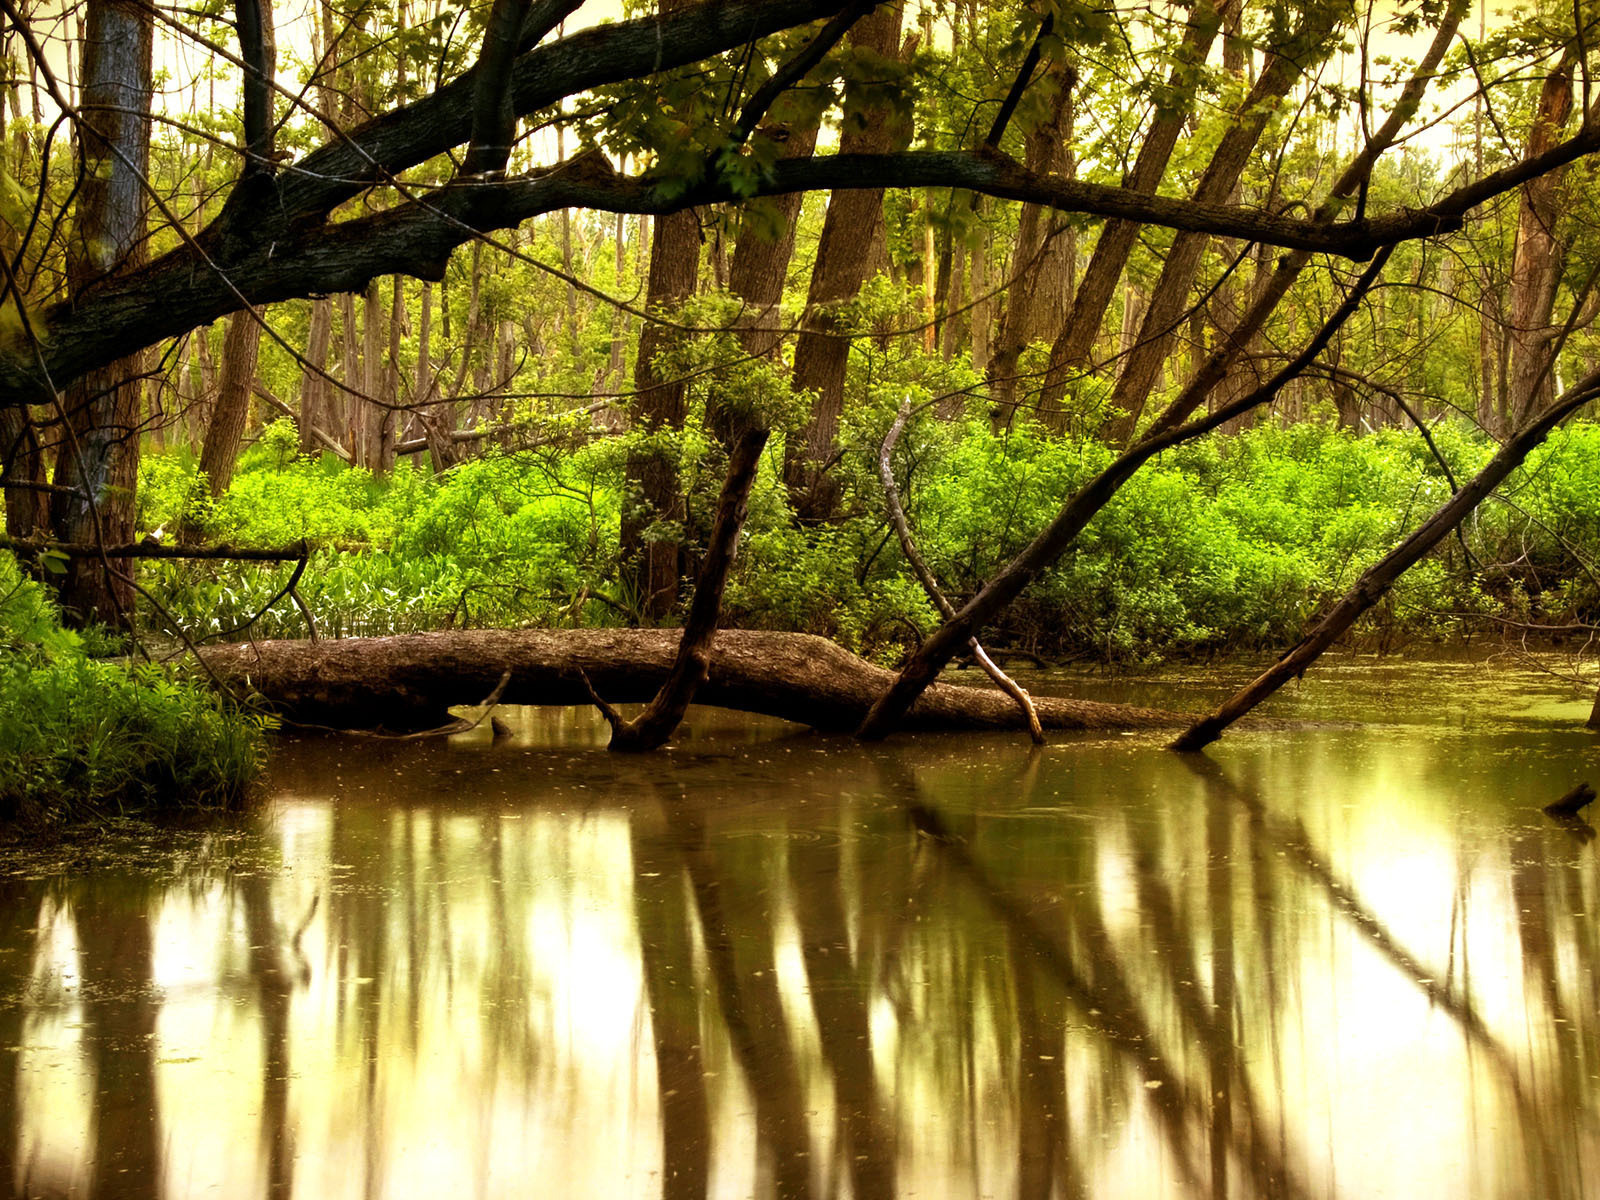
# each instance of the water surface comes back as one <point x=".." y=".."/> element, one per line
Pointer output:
<point x="1341" y="960"/>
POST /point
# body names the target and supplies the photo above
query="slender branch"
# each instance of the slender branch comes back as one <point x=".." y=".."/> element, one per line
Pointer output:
<point x="1019" y="85"/>
<point x="796" y="69"/>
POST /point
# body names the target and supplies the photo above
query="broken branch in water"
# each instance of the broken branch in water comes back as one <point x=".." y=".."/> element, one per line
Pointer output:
<point x="1572" y="803"/>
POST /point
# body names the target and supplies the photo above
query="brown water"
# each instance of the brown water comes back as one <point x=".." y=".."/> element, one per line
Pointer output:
<point x="1332" y="961"/>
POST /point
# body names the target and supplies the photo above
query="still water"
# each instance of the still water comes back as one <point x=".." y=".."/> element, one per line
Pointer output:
<point x="1345" y="959"/>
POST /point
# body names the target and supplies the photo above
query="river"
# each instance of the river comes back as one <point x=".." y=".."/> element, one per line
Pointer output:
<point x="1349" y="957"/>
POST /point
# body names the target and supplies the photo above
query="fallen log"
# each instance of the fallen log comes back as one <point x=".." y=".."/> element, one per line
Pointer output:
<point x="408" y="682"/>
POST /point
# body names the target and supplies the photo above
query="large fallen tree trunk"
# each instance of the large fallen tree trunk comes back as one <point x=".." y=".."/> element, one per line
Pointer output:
<point x="408" y="682"/>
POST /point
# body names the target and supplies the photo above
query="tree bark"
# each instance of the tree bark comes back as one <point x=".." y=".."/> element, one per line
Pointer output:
<point x="820" y="355"/>
<point x="1539" y="258"/>
<point x="408" y="682"/>
<point x="241" y="350"/>
<point x="100" y="457"/>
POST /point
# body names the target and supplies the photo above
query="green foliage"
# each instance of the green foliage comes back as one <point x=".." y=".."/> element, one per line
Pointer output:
<point x="85" y="738"/>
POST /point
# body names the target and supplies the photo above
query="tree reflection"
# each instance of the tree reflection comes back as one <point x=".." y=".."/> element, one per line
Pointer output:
<point x="666" y="946"/>
<point x="20" y="901"/>
<point x="112" y="917"/>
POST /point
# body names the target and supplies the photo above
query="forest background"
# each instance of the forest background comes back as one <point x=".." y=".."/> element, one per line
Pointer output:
<point x="1166" y="324"/>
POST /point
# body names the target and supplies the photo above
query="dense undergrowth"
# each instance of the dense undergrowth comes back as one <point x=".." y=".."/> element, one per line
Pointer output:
<point x="1227" y="545"/>
<point x="86" y="739"/>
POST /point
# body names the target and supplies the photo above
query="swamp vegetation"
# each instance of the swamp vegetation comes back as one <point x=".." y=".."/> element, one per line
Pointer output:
<point x="407" y="407"/>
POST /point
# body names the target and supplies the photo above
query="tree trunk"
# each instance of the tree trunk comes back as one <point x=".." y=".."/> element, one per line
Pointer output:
<point x="1143" y="365"/>
<point x="409" y="681"/>
<point x="1539" y="258"/>
<point x="315" y="410"/>
<point x="347" y="406"/>
<point x="1376" y="581"/>
<point x="692" y="663"/>
<point x="389" y="393"/>
<point x="21" y="464"/>
<point x="1053" y="541"/>
<point x="652" y="566"/>
<point x="21" y="458"/>
<point x="241" y="350"/>
<point x="100" y="457"/>
<point x="982" y="305"/>
<point x="820" y="356"/>
<point x="760" y="266"/>
<point x="371" y="381"/>
<point x="1039" y="294"/>
<point x="616" y="369"/>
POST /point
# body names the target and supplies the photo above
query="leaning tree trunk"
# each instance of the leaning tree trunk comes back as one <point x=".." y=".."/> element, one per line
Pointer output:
<point x="691" y="665"/>
<point x="99" y="460"/>
<point x="1070" y="350"/>
<point x="1040" y="290"/>
<point x="1173" y="426"/>
<point x="1539" y="258"/>
<point x="241" y="346"/>
<point x="241" y="350"/>
<point x="1058" y="536"/>
<point x="1163" y="317"/>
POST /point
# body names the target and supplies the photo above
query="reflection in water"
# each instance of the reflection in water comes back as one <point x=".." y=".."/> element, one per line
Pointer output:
<point x="1316" y="963"/>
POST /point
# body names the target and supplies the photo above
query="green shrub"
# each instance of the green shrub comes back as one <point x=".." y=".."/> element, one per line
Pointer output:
<point x="82" y="738"/>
